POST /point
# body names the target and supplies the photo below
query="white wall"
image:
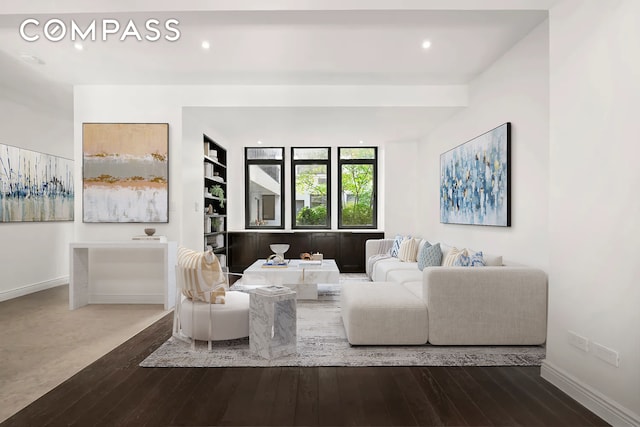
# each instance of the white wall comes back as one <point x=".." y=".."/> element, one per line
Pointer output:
<point x="403" y="184"/>
<point x="514" y="89"/>
<point x="594" y="203"/>
<point x="165" y="104"/>
<point x="36" y="117"/>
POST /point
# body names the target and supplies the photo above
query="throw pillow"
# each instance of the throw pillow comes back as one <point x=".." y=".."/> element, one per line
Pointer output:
<point x="468" y="258"/>
<point x="202" y="276"/>
<point x="396" y="245"/>
<point x="463" y="259"/>
<point x="477" y="260"/>
<point x="451" y="257"/>
<point x="422" y="253"/>
<point x="408" y="250"/>
<point x="430" y="256"/>
<point x="492" y="260"/>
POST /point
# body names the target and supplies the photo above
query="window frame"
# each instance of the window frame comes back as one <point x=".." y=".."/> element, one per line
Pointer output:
<point x="374" y="195"/>
<point x="247" y="193"/>
<point x="301" y="162"/>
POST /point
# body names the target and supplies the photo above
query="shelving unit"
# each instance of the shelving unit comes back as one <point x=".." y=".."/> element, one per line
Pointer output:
<point x="215" y="205"/>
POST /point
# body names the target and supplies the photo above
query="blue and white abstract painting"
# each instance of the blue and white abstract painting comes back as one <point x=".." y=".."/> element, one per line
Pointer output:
<point x="474" y="180"/>
<point x="34" y="186"/>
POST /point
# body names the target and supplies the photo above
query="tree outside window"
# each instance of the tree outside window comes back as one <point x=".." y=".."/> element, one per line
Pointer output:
<point x="310" y="182"/>
<point x="357" y="187"/>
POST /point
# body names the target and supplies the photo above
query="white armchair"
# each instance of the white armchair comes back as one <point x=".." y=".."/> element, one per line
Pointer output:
<point x="205" y="309"/>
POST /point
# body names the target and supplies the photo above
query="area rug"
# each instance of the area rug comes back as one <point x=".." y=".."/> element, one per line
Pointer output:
<point x="322" y="341"/>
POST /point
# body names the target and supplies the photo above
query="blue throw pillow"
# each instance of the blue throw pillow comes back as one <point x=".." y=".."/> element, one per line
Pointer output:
<point x="463" y="260"/>
<point x="430" y="256"/>
<point x="477" y="260"/>
<point x="422" y="253"/>
<point x="396" y="245"/>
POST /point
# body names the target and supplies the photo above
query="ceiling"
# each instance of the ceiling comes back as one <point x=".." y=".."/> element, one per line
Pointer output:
<point x="293" y="43"/>
<point x="321" y="126"/>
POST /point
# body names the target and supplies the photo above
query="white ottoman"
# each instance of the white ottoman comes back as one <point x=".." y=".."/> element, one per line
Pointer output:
<point x="230" y="320"/>
<point x="383" y="313"/>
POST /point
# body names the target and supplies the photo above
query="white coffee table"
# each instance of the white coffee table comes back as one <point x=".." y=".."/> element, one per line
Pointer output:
<point x="298" y="276"/>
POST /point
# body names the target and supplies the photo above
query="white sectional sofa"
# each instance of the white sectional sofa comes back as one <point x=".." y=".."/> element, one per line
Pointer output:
<point x="491" y="305"/>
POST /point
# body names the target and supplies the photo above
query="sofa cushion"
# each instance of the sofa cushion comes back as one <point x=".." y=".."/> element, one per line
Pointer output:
<point x="383" y="314"/>
<point x="384" y="266"/>
<point x="408" y="250"/>
<point x="486" y="306"/>
<point x="402" y="276"/>
<point x="416" y="288"/>
<point x="429" y="256"/>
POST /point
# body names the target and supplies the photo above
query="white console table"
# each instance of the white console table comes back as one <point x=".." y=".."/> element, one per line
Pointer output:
<point x="79" y="269"/>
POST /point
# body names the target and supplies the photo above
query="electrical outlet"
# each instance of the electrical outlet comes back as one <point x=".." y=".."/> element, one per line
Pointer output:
<point x="608" y="355"/>
<point x="578" y="341"/>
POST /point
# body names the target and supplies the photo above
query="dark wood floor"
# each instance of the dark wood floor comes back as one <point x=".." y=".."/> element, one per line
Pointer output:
<point x="115" y="391"/>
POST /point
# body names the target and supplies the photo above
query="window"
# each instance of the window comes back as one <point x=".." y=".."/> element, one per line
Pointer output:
<point x="264" y="187"/>
<point x="357" y="187"/>
<point x="311" y="187"/>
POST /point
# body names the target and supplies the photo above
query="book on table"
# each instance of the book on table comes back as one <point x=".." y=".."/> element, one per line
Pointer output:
<point x="304" y="262"/>
<point x="161" y="239"/>
<point x="271" y="264"/>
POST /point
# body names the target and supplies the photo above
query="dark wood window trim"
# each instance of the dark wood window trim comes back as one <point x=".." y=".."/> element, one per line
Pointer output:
<point x="247" y="193"/>
<point x="373" y="162"/>
<point x="295" y="163"/>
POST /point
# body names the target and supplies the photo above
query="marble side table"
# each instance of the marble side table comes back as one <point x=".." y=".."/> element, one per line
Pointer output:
<point x="272" y="322"/>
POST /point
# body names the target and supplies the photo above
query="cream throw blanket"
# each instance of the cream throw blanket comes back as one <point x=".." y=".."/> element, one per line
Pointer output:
<point x="202" y="276"/>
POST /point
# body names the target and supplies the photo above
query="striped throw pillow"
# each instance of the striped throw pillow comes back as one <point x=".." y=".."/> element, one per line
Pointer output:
<point x="202" y="276"/>
<point x="452" y="256"/>
<point x="408" y="250"/>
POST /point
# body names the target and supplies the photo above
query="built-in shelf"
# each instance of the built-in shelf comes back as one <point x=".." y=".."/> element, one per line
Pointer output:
<point x="215" y="179"/>
<point x="215" y="208"/>
<point x="214" y="161"/>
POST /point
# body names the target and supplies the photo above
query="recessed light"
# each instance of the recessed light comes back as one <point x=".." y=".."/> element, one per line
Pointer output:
<point x="259" y="142"/>
<point x="361" y="142"/>
<point x="78" y="46"/>
<point x="426" y="44"/>
<point x="205" y="45"/>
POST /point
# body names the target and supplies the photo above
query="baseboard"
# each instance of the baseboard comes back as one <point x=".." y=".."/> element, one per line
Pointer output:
<point x="601" y="405"/>
<point x="126" y="299"/>
<point x="34" y="287"/>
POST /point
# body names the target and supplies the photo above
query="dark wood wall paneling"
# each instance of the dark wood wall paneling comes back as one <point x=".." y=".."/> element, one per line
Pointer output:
<point x="347" y="248"/>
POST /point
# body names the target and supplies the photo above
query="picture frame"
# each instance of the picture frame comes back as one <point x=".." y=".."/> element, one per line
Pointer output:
<point x="125" y="172"/>
<point x="475" y="183"/>
<point x="35" y="186"/>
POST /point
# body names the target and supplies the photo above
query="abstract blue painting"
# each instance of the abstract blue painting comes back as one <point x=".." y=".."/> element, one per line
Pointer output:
<point x="34" y="186"/>
<point x="474" y="180"/>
